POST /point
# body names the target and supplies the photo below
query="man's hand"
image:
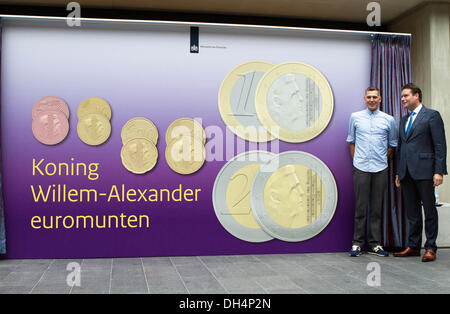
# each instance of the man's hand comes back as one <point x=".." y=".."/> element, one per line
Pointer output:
<point x="397" y="182"/>
<point x="352" y="149"/>
<point x="438" y="179"/>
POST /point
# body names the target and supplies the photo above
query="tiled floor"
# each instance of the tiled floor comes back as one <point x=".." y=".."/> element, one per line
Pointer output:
<point x="260" y="274"/>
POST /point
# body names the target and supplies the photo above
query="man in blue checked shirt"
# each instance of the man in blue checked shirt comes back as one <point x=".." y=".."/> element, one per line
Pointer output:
<point x="372" y="135"/>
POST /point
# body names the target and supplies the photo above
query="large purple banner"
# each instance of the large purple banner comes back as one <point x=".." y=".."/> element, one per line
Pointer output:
<point x="148" y="71"/>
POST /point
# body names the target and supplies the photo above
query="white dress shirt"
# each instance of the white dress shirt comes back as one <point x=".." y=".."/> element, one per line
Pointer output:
<point x="413" y="117"/>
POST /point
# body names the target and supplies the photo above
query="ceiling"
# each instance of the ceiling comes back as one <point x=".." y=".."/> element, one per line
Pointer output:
<point x="331" y="10"/>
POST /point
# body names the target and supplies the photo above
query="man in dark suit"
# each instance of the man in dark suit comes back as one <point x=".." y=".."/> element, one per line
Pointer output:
<point x="421" y="155"/>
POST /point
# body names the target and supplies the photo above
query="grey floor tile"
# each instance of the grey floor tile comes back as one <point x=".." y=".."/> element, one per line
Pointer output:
<point x="275" y="282"/>
<point x="246" y="290"/>
<point x="89" y="290"/>
<point x="287" y="291"/>
<point x="92" y="284"/>
<point x="51" y="288"/>
<point x="57" y="277"/>
<point x="193" y="270"/>
<point x="260" y="274"/>
<point x="240" y="284"/>
<point x="165" y="283"/>
<point x="104" y="263"/>
<point x="167" y="273"/>
<point x="10" y="263"/>
<point x="4" y="273"/>
<point x="185" y="260"/>
<point x="119" y="287"/>
<point x="203" y="285"/>
<point x="156" y="290"/>
<point x="21" y="278"/>
<point x="127" y="262"/>
<point x="317" y="285"/>
<point x="242" y="259"/>
<point x="256" y="269"/>
<point x="16" y="289"/>
<point x="156" y="261"/>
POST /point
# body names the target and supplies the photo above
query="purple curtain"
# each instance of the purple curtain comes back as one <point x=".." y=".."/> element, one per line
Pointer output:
<point x="391" y="69"/>
<point x="2" y="216"/>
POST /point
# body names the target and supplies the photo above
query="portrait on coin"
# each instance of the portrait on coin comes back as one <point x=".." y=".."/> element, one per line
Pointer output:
<point x="288" y="102"/>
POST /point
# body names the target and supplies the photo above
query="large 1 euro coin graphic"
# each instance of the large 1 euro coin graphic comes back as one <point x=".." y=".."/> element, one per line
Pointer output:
<point x="231" y="196"/>
<point x="294" y="102"/>
<point x="294" y="196"/>
<point x="237" y="101"/>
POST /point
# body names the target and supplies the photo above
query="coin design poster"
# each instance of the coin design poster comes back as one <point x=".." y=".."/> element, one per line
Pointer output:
<point x="77" y="198"/>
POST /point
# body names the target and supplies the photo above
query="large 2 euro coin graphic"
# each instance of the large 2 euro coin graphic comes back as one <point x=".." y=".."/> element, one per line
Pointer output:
<point x="237" y="101"/>
<point x="294" y="196"/>
<point x="294" y="102"/>
<point x="231" y="196"/>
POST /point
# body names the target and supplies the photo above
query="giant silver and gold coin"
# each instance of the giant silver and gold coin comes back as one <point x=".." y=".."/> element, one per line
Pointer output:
<point x="93" y="129"/>
<point x="94" y="105"/>
<point x="294" y="196"/>
<point x="139" y="128"/>
<point x="185" y="127"/>
<point x="139" y="155"/>
<point x="185" y="155"/>
<point x="236" y="101"/>
<point x="231" y="196"/>
<point x="294" y="102"/>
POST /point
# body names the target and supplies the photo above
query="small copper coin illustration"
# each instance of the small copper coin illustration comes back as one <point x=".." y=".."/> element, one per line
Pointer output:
<point x="139" y="155"/>
<point x="50" y="103"/>
<point x="50" y="127"/>
<point x="94" y="105"/>
<point x="94" y="129"/>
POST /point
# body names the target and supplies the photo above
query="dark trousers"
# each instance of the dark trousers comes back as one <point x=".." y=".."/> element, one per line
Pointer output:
<point x="416" y="192"/>
<point x="369" y="190"/>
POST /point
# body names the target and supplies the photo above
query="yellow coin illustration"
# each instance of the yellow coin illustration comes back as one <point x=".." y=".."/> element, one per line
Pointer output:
<point x="139" y="155"/>
<point x="93" y="129"/>
<point x="238" y="196"/>
<point x="294" y="102"/>
<point x="236" y="101"/>
<point x="94" y="105"/>
<point x="139" y="128"/>
<point x="185" y="127"/>
<point x="185" y="155"/>
<point x="294" y="196"/>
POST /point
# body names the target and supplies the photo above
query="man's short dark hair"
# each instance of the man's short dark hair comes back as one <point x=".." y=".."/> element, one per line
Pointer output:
<point x="414" y="89"/>
<point x="372" y="88"/>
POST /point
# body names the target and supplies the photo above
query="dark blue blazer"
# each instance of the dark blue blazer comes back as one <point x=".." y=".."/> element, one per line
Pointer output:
<point x="424" y="151"/>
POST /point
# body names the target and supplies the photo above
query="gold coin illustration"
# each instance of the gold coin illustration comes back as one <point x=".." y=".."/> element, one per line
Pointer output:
<point x="294" y="196"/>
<point x="238" y="196"/>
<point x="93" y="129"/>
<point x="139" y="128"/>
<point x="294" y="102"/>
<point x="139" y="155"/>
<point x="236" y="101"/>
<point x="185" y="155"/>
<point x="94" y="105"/>
<point x="185" y="127"/>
